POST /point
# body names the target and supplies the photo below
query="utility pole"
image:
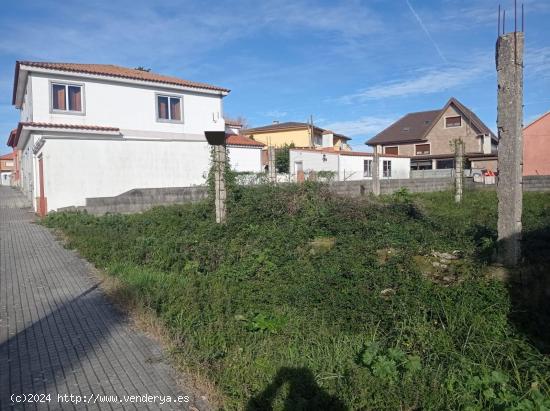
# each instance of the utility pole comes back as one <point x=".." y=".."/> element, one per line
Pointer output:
<point x="509" y="65"/>
<point x="311" y="132"/>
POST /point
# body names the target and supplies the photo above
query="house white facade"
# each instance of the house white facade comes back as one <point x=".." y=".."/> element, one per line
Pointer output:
<point x="97" y="131"/>
<point x="348" y="165"/>
<point x="245" y="154"/>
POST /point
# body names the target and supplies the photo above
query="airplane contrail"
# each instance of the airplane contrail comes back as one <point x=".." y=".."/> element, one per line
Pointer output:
<point x="426" y="31"/>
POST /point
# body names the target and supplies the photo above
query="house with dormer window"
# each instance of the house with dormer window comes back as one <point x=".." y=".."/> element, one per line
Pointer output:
<point x="98" y="130"/>
<point x="426" y="137"/>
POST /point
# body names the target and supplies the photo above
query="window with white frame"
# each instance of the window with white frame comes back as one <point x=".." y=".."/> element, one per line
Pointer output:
<point x="169" y="108"/>
<point x="67" y="97"/>
<point x="367" y="168"/>
<point x="386" y="170"/>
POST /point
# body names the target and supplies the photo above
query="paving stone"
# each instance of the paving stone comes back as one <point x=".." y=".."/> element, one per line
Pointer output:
<point x="58" y="332"/>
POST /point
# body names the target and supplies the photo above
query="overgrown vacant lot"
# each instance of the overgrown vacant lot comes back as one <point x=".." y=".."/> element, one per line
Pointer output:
<point x="304" y="300"/>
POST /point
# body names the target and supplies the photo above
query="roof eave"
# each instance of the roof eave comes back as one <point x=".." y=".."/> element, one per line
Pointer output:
<point x="214" y="90"/>
<point x="19" y="83"/>
<point x="393" y="142"/>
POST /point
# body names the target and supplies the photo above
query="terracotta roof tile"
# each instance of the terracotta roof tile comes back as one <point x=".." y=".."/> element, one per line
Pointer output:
<point x="8" y="156"/>
<point x="235" y="123"/>
<point x="14" y="138"/>
<point x="239" y="140"/>
<point x="69" y="126"/>
<point x="119" y="72"/>
<point x="289" y="125"/>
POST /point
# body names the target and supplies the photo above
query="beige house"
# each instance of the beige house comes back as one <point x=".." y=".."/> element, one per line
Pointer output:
<point x="427" y="138"/>
<point x="302" y="135"/>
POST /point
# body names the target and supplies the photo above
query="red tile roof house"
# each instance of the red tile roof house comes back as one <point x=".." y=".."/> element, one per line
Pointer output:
<point x="426" y="137"/>
<point x="16" y="174"/>
<point x="536" y="147"/>
<point x="97" y="130"/>
<point x="7" y="167"/>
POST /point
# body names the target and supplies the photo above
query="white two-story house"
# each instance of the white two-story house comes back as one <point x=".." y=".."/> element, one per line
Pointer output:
<point x="95" y="130"/>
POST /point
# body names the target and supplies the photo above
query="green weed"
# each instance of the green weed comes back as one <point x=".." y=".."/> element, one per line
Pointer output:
<point x="289" y="290"/>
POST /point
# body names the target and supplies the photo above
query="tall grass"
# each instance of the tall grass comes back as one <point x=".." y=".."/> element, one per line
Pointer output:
<point x="284" y="306"/>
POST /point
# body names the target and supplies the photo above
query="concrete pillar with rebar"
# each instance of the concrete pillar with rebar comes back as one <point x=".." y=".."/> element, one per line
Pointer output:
<point x="509" y="64"/>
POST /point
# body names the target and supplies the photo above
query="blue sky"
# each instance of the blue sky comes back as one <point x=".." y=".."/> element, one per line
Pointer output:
<point x="356" y="66"/>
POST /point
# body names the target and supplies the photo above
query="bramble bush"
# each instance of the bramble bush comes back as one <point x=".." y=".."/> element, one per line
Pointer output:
<point x="293" y="281"/>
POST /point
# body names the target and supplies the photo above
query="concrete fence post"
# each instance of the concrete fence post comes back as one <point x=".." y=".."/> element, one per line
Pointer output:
<point x="459" y="170"/>
<point x="220" y="159"/>
<point x="376" y="171"/>
<point x="271" y="164"/>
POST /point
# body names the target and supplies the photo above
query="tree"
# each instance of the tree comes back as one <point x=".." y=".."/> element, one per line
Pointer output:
<point x="282" y="158"/>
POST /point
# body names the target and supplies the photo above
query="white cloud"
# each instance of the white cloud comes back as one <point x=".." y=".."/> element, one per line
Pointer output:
<point x="364" y="126"/>
<point x="537" y="61"/>
<point x="145" y="34"/>
<point x="424" y="82"/>
<point x="275" y="114"/>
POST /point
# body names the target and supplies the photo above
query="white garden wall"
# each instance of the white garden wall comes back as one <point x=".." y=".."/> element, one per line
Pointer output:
<point x="313" y="161"/>
<point x="352" y="167"/>
<point x="347" y="166"/>
<point x="78" y="169"/>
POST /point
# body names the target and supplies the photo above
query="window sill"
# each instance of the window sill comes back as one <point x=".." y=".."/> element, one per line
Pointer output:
<point x="161" y="120"/>
<point x="68" y="112"/>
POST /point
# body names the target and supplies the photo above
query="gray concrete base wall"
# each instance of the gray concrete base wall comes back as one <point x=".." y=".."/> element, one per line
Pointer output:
<point x="423" y="185"/>
<point x="138" y="200"/>
<point x="417" y="185"/>
<point x="536" y="183"/>
<point x="530" y="183"/>
<point x="142" y="199"/>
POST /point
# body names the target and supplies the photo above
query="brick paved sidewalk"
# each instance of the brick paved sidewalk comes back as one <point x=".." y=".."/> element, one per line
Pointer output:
<point x="58" y="332"/>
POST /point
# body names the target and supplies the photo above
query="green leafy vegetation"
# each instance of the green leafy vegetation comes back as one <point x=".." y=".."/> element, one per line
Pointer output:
<point x="282" y="158"/>
<point x="305" y="300"/>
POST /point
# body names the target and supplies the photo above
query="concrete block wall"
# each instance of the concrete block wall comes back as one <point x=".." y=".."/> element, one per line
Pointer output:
<point x="418" y="185"/>
<point x="530" y="183"/>
<point x="139" y="200"/>
<point x="536" y="183"/>
<point x="142" y="199"/>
